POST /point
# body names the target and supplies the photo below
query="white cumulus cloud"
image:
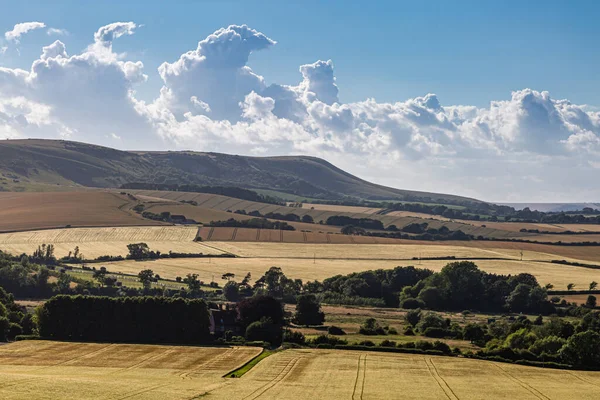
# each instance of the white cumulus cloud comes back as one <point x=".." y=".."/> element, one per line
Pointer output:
<point x="527" y="146"/>
<point x="20" y="29"/>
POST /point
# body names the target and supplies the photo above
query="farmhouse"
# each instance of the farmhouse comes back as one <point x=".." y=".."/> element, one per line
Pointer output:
<point x="223" y="319"/>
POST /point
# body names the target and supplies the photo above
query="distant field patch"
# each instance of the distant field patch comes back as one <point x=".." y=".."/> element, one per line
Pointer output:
<point x="320" y="261"/>
<point x="95" y="242"/>
<point x="28" y="211"/>
<point x="59" y="370"/>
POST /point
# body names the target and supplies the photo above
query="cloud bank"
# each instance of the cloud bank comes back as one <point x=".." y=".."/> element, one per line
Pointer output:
<point x="528" y="146"/>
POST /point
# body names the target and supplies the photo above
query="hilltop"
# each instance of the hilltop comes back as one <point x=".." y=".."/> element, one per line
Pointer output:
<point x="34" y="164"/>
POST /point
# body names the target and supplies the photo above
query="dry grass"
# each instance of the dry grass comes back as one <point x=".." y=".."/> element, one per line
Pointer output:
<point x="331" y="374"/>
<point x="95" y="242"/>
<point x="55" y="370"/>
<point x="28" y="211"/>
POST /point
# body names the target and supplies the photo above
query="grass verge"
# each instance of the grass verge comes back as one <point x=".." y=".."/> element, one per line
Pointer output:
<point x="238" y="373"/>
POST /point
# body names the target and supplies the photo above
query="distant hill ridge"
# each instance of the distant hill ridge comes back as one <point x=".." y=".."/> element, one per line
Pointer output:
<point x="31" y="162"/>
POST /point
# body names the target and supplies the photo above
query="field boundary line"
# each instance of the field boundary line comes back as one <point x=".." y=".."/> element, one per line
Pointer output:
<point x="524" y="385"/>
<point x="439" y="380"/>
<point x="210" y="233"/>
<point x="235" y="231"/>
<point x="284" y="373"/>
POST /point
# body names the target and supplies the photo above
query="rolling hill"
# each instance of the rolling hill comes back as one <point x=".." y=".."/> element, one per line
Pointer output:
<point x="36" y="165"/>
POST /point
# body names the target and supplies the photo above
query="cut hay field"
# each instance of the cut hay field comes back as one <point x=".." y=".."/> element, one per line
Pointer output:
<point x="51" y="370"/>
<point x="95" y="242"/>
<point x="28" y="211"/>
<point x="60" y="370"/>
<point x="310" y="262"/>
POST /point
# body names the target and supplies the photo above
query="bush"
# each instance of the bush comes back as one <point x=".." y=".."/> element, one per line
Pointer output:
<point x="387" y="343"/>
<point x="291" y="336"/>
<point x="548" y="345"/>
<point x="13" y="330"/>
<point x="328" y="340"/>
<point x="441" y="346"/>
<point x="335" y="330"/>
<point x="408" y="331"/>
<point x="265" y="330"/>
<point x="366" y="343"/>
<point x="434" y="332"/>
<point x="431" y="320"/>
<point x="391" y="331"/>
<point x="371" y="327"/>
<point x="412" y="304"/>
<point x="27" y="337"/>
<point x="413" y="316"/>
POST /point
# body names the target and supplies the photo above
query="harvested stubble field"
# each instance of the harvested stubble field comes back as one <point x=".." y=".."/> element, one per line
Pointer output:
<point x="28" y="211"/>
<point x="590" y="253"/>
<point x="402" y="249"/>
<point x="335" y="374"/>
<point x="60" y="370"/>
<point x="310" y="262"/>
<point x="95" y="242"/>
<point x="51" y="370"/>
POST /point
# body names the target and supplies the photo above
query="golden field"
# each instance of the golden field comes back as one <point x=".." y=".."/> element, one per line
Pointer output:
<point x="52" y="370"/>
<point x="331" y="374"/>
<point x="62" y="370"/>
<point x="95" y="242"/>
<point x="310" y="262"/>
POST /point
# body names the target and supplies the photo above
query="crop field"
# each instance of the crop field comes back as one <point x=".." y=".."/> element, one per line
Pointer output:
<point x="28" y="211"/>
<point x="95" y="242"/>
<point x="335" y="374"/>
<point x="402" y="249"/>
<point x="50" y="370"/>
<point x="61" y="370"/>
<point x="224" y="203"/>
<point x="320" y="261"/>
<point x="339" y="208"/>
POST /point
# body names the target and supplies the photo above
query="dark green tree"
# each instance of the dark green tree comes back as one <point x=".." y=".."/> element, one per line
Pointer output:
<point x="308" y="311"/>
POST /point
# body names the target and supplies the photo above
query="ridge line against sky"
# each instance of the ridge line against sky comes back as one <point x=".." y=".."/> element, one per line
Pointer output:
<point x="527" y="147"/>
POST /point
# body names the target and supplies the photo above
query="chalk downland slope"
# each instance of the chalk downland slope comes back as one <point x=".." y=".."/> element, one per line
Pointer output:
<point x="79" y="164"/>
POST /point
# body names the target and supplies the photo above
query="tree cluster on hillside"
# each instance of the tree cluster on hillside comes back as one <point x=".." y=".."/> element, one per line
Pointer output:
<point x="259" y="223"/>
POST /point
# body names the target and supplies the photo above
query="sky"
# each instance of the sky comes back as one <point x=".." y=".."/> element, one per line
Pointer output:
<point x="494" y="100"/>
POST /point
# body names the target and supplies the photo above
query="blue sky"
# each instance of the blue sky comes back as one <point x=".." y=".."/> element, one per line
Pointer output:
<point x="462" y="97"/>
<point x="467" y="52"/>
